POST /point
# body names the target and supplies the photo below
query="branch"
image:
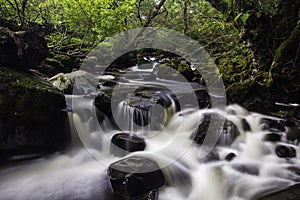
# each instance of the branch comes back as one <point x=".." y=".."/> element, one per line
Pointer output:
<point x="184" y="16"/>
<point x="138" y="13"/>
<point x="154" y="13"/>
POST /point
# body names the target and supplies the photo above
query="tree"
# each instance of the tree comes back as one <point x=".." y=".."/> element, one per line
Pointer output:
<point x="271" y="30"/>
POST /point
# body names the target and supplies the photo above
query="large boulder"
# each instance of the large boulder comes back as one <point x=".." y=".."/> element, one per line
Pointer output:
<point x="22" y="49"/>
<point x="83" y="81"/>
<point x="135" y="176"/>
<point x="31" y="116"/>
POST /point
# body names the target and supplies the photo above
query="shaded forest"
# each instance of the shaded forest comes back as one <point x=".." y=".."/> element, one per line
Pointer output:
<point x="255" y="44"/>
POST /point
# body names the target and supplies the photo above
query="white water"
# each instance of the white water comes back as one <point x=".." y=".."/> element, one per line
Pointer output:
<point x="80" y="172"/>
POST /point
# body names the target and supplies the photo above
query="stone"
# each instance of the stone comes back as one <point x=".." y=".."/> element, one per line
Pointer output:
<point x="23" y="49"/>
<point x="152" y="195"/>
<point x="288" y="193"/>
<point x="83" y="81"/>
<point x="135" y="176"/>
<point x="109" y="83"/>
<point x="230" y="156"/>
<point x="272" y="137"/>
<point x="273" y="125"/>
<point x="32" y="116"/>
<point x="124" y="143"/>
<point x="283" y="151"/>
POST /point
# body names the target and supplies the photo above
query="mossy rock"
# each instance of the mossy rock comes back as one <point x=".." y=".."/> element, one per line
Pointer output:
<point x="252" y="95"/>
<point x="23" y="49"/>
<point x="31" y="116"/>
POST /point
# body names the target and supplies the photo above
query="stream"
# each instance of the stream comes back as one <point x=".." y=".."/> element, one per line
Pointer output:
<point x="252" y="155"/>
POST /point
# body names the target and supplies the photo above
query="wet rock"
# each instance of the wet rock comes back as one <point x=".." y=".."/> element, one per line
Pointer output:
<point x="273" y="125"/>
<point x="31" y="116"/>
<point x="23" y="49"/>
<point x="230" y="156"/>
<point x="123" y="143"/>
<point x="245" y="125"/>
<point x="227" y="134"/>
<point x="283" y="151"/>
<point x="292" y="130"/>
<point x="289" y="193"/>
<point x="83" y="81"/>
<point x="109" y="83"/>
<point x="152" y="195"/>
<point x="272" y="137"/>
<point x="135" y="176"/>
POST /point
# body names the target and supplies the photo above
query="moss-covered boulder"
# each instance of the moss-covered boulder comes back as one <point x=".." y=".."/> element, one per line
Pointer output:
<point x="22" y="49"/>
<point x="31" y="116"/>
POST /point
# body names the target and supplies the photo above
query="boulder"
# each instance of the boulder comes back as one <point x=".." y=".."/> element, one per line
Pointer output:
<point x="283" y="151"/>
<point x="123" y="143"/>
<point x="85" y="82"/>
<point x="32" y="119"/>
<point x="272" y="137"/>
<point x="135" y="176"/>
<point x="288" y="193"/>
<point x="23" y="49"/>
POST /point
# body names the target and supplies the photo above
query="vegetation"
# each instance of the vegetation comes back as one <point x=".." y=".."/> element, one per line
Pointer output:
<point x="255" y="44"/>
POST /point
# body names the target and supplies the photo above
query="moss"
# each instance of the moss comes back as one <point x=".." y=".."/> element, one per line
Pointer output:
<point x="25" y="97"/>
<point x="288" y="48"/>
<point x="238" y="91"/>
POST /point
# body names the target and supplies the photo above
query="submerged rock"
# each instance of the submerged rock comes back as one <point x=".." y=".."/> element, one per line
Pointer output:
<point x="123" y="143"/>
<point x="23" y="49"/>
<point x="135" y="176"/>
<point x="31" y="116"/>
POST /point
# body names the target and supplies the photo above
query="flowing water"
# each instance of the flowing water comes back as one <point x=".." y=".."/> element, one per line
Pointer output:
<point x="191" y="173"/>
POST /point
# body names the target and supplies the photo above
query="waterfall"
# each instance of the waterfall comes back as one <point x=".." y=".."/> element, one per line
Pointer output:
<point x="80" y="172"/>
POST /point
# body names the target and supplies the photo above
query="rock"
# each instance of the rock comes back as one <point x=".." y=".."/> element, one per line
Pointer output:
<point x="123" y="143"/>
<point x="288" y="193"/>
<point x="135" y="176"/>
<point x="23" y="49"/>
<point x="31" y="116"/>
<point x="230" y="156"/>
<point x="152" y="195"/>
<point x="272" y="137"/>
<point x="285" y="151"/>
<point x="273" y="125"/>
<point x="85" y="82"/>
<point x="109" y="83"/>
<point x="245" y="125"/>
<point x="292" y="130"/>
